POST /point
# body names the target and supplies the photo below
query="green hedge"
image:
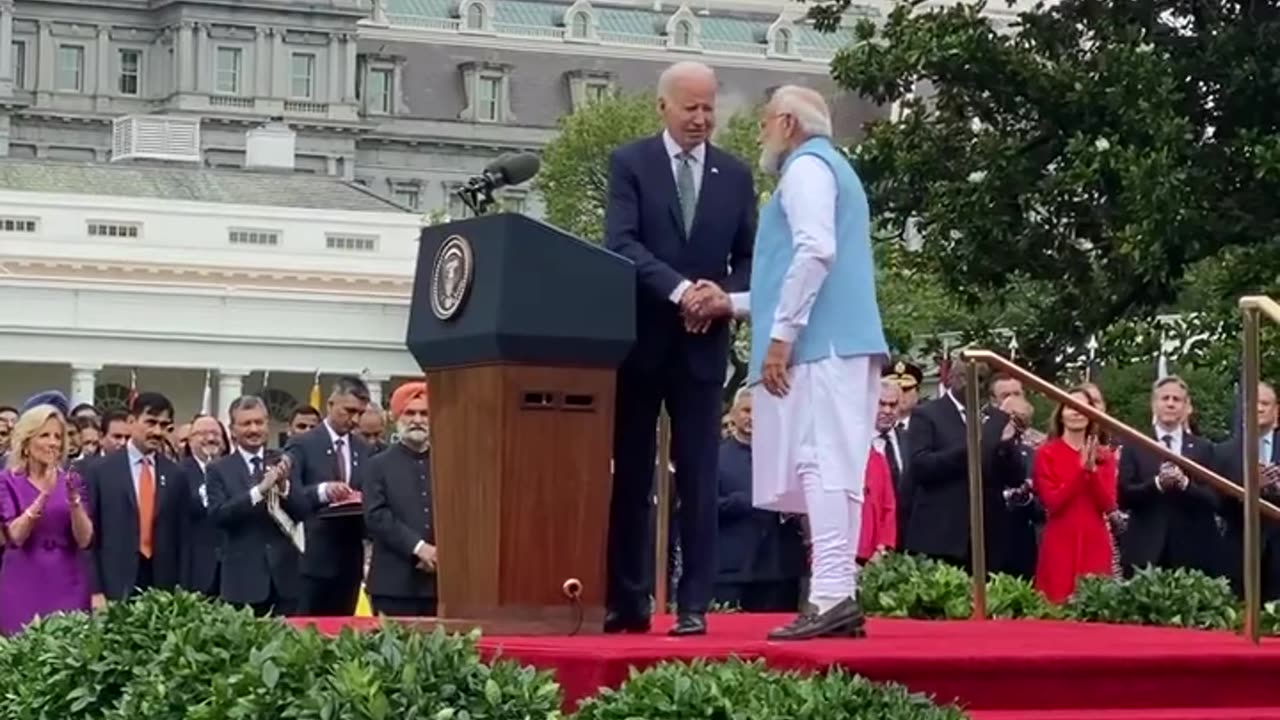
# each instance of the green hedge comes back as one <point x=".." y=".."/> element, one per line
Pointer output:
<point x="899" y="585"/>
<point x="180" y="657"/>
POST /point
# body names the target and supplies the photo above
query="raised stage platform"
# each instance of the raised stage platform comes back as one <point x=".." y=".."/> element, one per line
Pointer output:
<point x="997" y="670"/>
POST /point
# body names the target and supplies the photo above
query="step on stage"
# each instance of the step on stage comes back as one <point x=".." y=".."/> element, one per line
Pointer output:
<point x="997" y="670"/>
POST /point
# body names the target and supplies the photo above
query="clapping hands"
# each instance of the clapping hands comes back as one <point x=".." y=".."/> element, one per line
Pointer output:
<point x="1171" y="477"/>
<point x="703" y="304"/>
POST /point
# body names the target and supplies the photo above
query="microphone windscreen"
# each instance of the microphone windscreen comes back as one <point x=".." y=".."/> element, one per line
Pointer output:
<point x="516" y="169"/>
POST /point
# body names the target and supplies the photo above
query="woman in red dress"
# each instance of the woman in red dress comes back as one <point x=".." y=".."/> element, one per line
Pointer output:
<point x="1074" y="476"/>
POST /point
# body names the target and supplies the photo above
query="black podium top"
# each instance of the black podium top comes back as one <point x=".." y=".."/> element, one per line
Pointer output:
<point x="508" y="288"/>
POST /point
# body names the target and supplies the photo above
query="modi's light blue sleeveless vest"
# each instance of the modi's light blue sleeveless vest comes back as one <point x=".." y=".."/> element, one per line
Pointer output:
<point x="845" y="320"/>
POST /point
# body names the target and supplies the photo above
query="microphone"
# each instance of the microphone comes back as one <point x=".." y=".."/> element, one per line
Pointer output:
<point x="509" y="169"/>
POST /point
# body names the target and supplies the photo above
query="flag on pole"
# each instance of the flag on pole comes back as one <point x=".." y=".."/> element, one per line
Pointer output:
<point x="133" y="388"/>
<point x="315" y="392"/>
<point x="1091" y="369"/>
<point x="206" y="400"/>
<point x="1162" y="361"/>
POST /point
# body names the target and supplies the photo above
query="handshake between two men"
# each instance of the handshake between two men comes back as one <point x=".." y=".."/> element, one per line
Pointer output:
<point x="702" y="304"/>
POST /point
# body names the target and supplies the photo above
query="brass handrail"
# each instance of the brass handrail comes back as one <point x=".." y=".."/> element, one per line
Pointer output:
<point x="662" y="516"/>
<point x="1138" y="438"/>
<point x="1252" y="308"/>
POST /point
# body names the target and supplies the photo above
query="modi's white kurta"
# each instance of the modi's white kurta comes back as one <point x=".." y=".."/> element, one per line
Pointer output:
<point x="809" y="447"/>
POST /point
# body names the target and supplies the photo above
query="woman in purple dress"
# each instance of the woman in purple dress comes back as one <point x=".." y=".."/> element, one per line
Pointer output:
<point x="44" y="524"/>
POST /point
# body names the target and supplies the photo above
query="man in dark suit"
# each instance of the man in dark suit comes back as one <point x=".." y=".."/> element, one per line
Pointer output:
<point x="139" y="502"/>
<point x="891" y="441"/>
<point x="761" y="553"/>
<point x="1172" y="521"/>
<point x="204" y="445"/>
<point x="682" y="211"/>
<point x="1228" y="458"/>
<point x="397" y="510"/>
<point x="256" y="509"/>
<point x="939" y="522"/>
<point x="333" y="564"/>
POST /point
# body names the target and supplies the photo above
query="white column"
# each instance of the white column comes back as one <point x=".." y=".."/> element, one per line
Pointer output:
<point x="186" y="54"/>
<point x="45" y="57"/>
<point x="84" y="379"/>
<point x="204" y="59"/>
<point x="230" y="387"/>
<point x="6" y="39"/>
<point x="279" y="67"/>
<point x="334" y="94"/>
<point x="349" y="73"/>
<point x="375" y="389"/>
<point x="103" y="77"/>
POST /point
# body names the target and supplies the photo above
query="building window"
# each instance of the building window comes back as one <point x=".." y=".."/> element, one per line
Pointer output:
<point x="581" y="26"/>
<point x="19" y="64"/>
<point x="247" y="236"/>
<point x="227" y="68"/>
<point x="358" y="243"/>
<point x="108" y="229"/>
<point x="377" y="95"/>
<point x="457" y="208"/>
<point x="489" y="99"/>
<point x="684" y="34"/>
<point x="596" y="91"/>
<point x="406" y="195"/>
<point x="302" y="74"/>
<point x="515" y="203"/>
<point x="475" y="16"/>
<point x="18" y="225"/>
<point x="782" y="42"/>
<point x="130" y="72"/>
<point x="71" y="68"/>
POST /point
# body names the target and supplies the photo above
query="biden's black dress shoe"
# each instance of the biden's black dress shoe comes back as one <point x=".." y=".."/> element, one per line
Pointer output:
<point x="615" y="623"/>
<point x="689" y="624"/>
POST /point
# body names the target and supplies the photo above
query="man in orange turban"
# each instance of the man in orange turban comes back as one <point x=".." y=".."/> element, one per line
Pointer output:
<point x="405" y="394"/>
<point x="397" y="512"/>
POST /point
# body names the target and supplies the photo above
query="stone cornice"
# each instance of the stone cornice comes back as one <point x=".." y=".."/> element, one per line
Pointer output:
<point x="394" y="288"/>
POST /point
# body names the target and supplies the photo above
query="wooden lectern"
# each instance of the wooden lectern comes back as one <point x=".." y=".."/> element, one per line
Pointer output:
<point x="520" y="327"/>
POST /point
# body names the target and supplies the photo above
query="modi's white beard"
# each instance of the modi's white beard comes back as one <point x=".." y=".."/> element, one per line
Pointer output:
<point x="770" y="160"/>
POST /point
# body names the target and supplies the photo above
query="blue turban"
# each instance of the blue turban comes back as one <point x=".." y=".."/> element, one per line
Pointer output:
<point x="48" y="397"/>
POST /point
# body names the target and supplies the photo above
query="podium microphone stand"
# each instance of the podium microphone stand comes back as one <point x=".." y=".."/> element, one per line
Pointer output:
<point x="477" y="197"/>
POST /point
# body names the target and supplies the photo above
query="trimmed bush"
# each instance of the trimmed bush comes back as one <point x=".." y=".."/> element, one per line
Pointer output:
<point x="749" y="691"/>
<point x="178" y="656"/>
<point x="1155" y="596"/>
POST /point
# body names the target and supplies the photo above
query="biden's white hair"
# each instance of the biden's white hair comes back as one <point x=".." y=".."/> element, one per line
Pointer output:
<point x="807" y="106"/>
<point x="679" y="71"/>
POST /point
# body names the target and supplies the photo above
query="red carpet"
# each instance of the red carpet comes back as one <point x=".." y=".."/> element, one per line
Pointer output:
<point x="996" y="668"/>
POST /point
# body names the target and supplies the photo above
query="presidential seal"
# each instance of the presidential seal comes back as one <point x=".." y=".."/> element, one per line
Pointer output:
<point x="451" y="277"/>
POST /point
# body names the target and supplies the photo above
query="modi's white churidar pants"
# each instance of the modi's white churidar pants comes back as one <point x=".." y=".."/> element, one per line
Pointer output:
<point x="809" y="456"/>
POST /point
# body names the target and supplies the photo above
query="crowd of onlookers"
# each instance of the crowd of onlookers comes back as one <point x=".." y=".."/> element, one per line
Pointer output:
<point x="1058" y="504"/>
<point x="96" y="506"/>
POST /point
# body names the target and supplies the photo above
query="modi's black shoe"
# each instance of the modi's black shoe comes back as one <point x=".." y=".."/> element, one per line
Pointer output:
<point x="845" y="620"/>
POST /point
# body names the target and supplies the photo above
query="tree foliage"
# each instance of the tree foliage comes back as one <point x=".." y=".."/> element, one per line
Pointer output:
<point x="1067" y="173"/>
<point x="574" y="179"/>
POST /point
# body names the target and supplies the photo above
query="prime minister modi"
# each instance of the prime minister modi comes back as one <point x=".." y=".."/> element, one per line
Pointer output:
<point x="817" y="346"/>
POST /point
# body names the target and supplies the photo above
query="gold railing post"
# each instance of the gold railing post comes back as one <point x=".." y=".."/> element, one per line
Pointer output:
<point x="977" y="529"/>
<point x="662" y="517"/>
<point x="1249" y="463"/>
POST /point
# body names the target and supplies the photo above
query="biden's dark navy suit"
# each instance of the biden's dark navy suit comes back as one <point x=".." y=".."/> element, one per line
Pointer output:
<point x="686" y="371"/>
